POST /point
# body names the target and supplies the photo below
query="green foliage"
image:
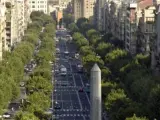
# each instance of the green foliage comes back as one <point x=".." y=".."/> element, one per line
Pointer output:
<point x="68" y="19"/>
<point x="73" y="27"/>
<point x="113" y="96"/>
<point x="86" y="50"/>
<point x="43" y="71"/>
<point x="136" y="118"/>
<point x="82" y="42"/>
<point x="25" y="116"/>
<point x="39" y="84"/>
<point x="31" y="37"/>
<point x="36" y="14"/>
<point x="76" y="36"/>
<point x="114" y="55"/>
<point x="93" y="36"/>
<point x="37" y="101"/>
<point x="85" y="26"/>
<point x="105" y="73"/>
<point x="90" y="60"/>
<point x="153" y="101"/>
<point x="122" y="72"/>
<point x="107" y="86"/>
<point x="80" y="21"/>
<point x="12" y="68"/>
<point x="103" y="48"/>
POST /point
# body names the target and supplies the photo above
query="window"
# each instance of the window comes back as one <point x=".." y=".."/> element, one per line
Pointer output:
<point x="33" y="6"/>
<point x="41" y="6"/>
<point x="41" y="1"/>
<point x="33" y="1"/>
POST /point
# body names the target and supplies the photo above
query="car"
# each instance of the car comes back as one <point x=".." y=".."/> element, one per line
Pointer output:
<point x="87" y="84"/>
<point x="80" y="90"/>
<point x="66" y="52"/>
<point x="64" y="84"/>
<point x="87" y="90"/>
<point x="57" y="105"/>
<point x="6" y="115"/>
<point x="22" y="84"/>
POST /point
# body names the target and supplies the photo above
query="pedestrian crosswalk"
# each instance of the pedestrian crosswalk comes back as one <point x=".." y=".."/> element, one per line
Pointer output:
<point x="75" y="115"/>
<point x="72" y="110"/>
<point x="75" y="87"/>
<point x="67" y="90"/>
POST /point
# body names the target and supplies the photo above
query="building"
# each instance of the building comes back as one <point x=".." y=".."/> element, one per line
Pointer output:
<point x="2" y="26"/>
<point x="99" y="14"/>
<point x="155" y="63"/>
<point x="146" y="29"/>
<point x="26" y="14"/>
<point x="20" y="19"/>
<point x="82" y="8"/>
<point x="38" y="5"/>
<point x="64" y="3"/>
<point x="131" y="29"/>
<point x="11" y="25"/>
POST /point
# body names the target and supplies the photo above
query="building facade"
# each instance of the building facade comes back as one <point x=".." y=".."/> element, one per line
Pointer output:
<point x="2" y="26"/>
<point x="155" y="61"/>
<point x="82" y="8"/>
<point x="38" y="5"/>
<point x="131" y="28"/>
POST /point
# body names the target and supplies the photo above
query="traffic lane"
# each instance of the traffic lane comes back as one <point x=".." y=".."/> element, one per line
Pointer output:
<point x="84" y="101"/>
<point x="75" y="101"/>
<point x="78" y="80"/>
<point x="84" y="79"/>
<point x="57" y="95"/>
<point x="74" y="68"/>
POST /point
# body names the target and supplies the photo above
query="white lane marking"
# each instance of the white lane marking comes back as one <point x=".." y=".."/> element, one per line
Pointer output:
<point x="84" y="118"/>
<point x="71" y="100"/>
<point x="74" y="80"/>
<point x="81" y="80"/>
<point x="79" y="100"/>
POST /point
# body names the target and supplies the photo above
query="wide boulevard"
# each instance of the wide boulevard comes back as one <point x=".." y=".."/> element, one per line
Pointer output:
<point x="72" y="104"/>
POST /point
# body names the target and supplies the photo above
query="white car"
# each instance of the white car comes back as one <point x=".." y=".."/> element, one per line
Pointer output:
<point x="6" y="115"/>
<point x="66" y="52"/>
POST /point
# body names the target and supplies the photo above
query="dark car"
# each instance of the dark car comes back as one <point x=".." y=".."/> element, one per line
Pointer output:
<point x="80" y="90"/>
<point x="57" y="105"/>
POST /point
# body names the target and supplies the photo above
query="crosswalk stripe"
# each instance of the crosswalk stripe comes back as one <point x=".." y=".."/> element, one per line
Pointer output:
<point x="62" y="115"/>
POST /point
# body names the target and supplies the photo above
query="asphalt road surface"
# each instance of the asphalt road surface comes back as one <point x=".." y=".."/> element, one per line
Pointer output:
<point x="74" y="105"/>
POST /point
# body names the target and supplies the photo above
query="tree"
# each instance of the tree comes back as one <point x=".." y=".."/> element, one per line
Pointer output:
<point x="93" y="36"/>
<point x="136" y="118"/>
<point x="113" y="96"/>
<point x="105" y="73"/>
<point x="68" y="19"/>
<point x="114" y="55"/>
<point x="25" y="116"/>
<point x="85" y="26"/>
<point x="37" y="101"/>
<point x="153" y="102"/>
<point x="80" y="21"/>
<point x="82" y="42"/>
<point x="103" y="48"/>
<point x="36" y="14"/>
<point x="73" y="27"/>
<point x="86" y="50"/>
<point x="90" y="60"/>
<point x="43" y="71"/>
<point x="76" y="36"/>
<point x="39" y="84"/>
<point x="31" y="37"/>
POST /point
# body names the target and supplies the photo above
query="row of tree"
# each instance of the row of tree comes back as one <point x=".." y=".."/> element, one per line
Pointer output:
<point x="39" y="86"/>
<point x="127" y="83"/>
<point x="12" y="66"/>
